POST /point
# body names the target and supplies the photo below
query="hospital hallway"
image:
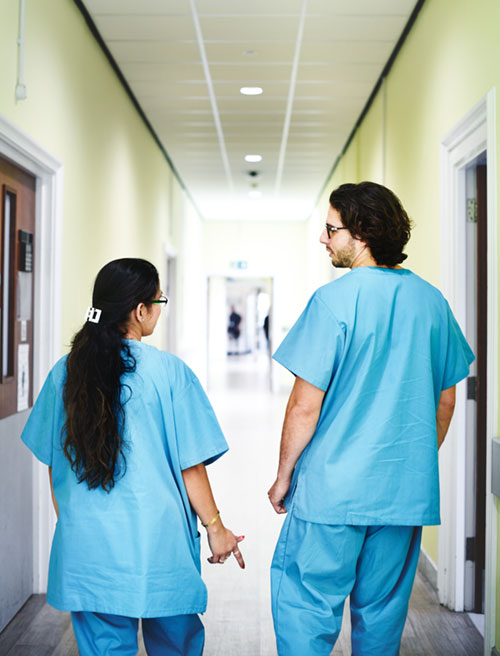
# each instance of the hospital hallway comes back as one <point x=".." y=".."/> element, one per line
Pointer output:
<point x="238" y="619"/>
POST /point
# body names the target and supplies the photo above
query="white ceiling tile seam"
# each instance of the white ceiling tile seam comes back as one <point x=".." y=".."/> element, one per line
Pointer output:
<point x="211" y="93"/>
<point x="291" y="95"/>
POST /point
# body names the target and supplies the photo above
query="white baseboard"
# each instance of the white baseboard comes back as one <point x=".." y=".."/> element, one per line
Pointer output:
<point x="428" y="568"/>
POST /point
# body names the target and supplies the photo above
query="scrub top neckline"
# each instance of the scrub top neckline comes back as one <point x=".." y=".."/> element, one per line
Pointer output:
<point x="382" y="270"/>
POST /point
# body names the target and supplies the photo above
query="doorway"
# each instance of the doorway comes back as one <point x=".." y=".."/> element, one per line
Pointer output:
<point x="469" y="280"/>
<point x="19" y="149"/>
<point x="476" y="332"/>
<point x="239" y="329"/>
<point x="170" y="290"/>
<point x="17" y="235"/>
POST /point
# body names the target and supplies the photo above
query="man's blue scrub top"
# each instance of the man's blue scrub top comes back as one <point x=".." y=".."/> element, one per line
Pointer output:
<point x="383" y="344"/>
<point x="136" y="550"/>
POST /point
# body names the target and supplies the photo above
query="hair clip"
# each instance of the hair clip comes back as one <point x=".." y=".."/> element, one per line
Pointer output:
<point x="93" y="314"/>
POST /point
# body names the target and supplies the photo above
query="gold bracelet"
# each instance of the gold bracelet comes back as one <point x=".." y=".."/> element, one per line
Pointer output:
<point x="212" y="521"/>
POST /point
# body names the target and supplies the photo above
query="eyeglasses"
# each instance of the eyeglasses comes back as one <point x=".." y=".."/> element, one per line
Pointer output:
<point x="332" y="229"/>
<point x="162" y="299"/>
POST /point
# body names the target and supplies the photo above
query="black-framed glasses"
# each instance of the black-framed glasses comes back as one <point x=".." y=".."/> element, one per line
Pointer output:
<point x="332" y="229"/>
<point x="162" y="299"/>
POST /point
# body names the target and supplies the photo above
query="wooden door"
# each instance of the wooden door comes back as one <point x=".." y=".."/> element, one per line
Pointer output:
<point x="17" y="229"/>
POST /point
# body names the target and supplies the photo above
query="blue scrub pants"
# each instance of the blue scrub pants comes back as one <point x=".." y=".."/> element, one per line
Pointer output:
<point x="101" y="634"/>
<point x="317" y="566"/>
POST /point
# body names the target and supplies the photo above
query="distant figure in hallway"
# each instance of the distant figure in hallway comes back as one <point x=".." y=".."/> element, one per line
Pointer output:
<point x="376" y="355"/>
<point x="234" y="331"/>
<point x="266" y="329"/>
<point x="126" y="431"/>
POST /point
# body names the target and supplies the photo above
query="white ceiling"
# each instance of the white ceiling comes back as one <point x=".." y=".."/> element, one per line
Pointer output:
<point x="317" y="62"/>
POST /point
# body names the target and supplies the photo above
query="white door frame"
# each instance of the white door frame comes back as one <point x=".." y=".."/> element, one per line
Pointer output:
<point x="170" y="337"/>
<point x="25" y="152"/>
<point x="471" y="136"/>
<point x="248" y="275"/>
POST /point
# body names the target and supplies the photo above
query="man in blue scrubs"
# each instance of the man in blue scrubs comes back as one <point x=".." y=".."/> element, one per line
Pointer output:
<point x="376" y="355"/>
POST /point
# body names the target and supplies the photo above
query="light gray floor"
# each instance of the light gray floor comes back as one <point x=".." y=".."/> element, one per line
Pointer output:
<point x="238" y="619"/>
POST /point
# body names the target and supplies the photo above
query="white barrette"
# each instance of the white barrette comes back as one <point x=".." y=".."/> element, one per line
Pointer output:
<point x="93" y="314"/>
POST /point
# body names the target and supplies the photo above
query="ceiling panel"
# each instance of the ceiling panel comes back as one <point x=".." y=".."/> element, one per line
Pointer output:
<point x="155" y="51"/>
<point x="357" y="28"/>
<point x="155" y="105"/>
<point x="264" y="28"/>
<point x="338" y="72"/>
<point x="250" y="51"/>
<point x="245" y="74"/>
<point x="325" y="88"/>
<point x="257" y="7"/>
<point x="362" y="7"/>
<point x="162" y="72"/>
<point x="346" y="52"/>
<point x="227" y="103"/>
<point x="153" y="28"/>
<point x="345" y="47"/>
<point x="176" y="88"/>
<point x="156" y="7"/>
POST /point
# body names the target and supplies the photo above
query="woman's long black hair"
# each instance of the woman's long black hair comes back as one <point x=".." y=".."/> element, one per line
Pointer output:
<point x="93" y="432"/>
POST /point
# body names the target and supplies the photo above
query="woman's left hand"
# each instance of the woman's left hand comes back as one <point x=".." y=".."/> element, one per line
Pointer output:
<point x="223" y="543"/>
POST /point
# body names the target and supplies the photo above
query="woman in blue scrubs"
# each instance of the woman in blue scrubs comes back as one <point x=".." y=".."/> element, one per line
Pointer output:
<point x="126" y="431"/>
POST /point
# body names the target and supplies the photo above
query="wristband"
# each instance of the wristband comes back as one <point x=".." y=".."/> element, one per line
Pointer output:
<point x="212" y="521"/>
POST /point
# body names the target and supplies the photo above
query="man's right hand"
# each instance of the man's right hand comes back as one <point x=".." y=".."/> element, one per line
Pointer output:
<point x="277" y="494"/>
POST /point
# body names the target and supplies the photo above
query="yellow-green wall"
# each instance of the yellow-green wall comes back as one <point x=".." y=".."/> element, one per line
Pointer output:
<point x="446" y="66"/>
<point x="119" y="192"/>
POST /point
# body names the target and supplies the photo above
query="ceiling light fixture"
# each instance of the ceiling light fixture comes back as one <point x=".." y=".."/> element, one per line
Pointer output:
<point x="253" y="158"/>
<point x="251" y="91"/>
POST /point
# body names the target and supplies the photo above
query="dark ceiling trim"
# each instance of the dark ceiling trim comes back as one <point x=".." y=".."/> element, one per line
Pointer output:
<point x="413" y="17"/>
<point x="96" y="34"/>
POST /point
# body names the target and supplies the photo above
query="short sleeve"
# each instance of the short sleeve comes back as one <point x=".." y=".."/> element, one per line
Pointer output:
<point x="313" y="348"/>
<point x="199" y="436"/>
<point x="458" y="354"/>
<point x="39" y="429"/>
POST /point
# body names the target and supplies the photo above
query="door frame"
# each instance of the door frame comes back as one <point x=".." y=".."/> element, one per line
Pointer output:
<point x="474" y="134"/>
<point x="170" y="327"/>
<point x="245" y="275"/>
<point x="21" y="149"/>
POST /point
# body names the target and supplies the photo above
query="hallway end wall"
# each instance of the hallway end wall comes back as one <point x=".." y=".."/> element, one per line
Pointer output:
<point x="273" y="249"/>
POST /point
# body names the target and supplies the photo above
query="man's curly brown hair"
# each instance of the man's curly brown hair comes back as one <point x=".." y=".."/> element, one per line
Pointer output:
<point x="375" y="215"/>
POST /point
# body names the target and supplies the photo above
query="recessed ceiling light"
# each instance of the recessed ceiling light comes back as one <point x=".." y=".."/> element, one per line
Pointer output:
<point x="251" y="91"/>
<point x="255" y="193"/>
<point x="253" y="158"/>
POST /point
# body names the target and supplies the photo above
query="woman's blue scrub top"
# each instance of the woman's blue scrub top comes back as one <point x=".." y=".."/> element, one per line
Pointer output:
<point x="134" y="551"/>
<point x="383" y="344"/>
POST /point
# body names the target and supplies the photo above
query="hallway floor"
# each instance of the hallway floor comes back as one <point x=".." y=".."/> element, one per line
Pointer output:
<point x="238" y="619"/>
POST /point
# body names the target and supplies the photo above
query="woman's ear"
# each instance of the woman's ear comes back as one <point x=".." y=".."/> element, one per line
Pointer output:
<point x="140" y="312"/>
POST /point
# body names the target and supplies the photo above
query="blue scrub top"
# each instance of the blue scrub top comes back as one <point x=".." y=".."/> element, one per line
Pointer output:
<point x="383" y="344"/>
<point x="136" y="550"/>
